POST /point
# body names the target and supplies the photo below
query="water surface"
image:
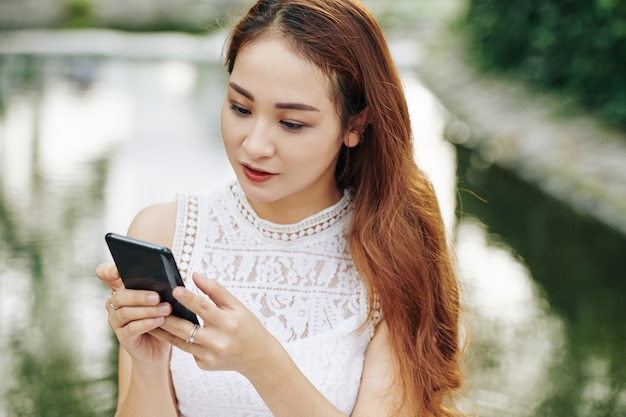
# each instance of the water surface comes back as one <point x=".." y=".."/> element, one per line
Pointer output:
<point x="86" y="141"/>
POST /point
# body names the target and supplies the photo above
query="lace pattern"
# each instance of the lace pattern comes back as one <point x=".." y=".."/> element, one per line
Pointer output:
<point x="299" y="280"/>
<point x="290" y="232"/>
<point x="185" y="238"/>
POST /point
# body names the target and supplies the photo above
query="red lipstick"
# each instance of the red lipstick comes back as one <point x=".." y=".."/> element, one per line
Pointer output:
<point x="255" y="175"/>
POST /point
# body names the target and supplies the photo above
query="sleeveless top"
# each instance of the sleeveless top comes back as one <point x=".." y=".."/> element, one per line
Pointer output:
<point x="298" y="279"/>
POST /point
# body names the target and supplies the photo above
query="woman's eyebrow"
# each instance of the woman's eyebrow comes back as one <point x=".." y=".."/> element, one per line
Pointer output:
<point x="289" y="106"/>
<point x="296" y="106"/>
<point x="241" y="91"/>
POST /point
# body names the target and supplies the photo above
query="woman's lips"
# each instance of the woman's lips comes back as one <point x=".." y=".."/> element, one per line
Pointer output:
<point x="255" y="175"/>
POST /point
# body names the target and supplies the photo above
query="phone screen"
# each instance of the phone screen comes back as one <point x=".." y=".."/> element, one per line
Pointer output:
<point x="147" y="266"/>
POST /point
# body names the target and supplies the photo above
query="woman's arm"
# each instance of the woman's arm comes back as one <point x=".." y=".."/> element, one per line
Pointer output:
<point x="232" y="338"/>
<point x="380" y="393"/>
<point x="290" y="393"/>
<point x="141" y="392"/>
<point x="144" y="381"/>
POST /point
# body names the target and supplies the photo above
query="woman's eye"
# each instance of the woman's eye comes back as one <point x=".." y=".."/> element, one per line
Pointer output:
<point x="241" y="111"/>
<point x="291" y="125"/>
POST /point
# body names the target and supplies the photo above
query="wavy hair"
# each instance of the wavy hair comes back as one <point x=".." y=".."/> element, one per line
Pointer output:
<point x="397" y="237"/>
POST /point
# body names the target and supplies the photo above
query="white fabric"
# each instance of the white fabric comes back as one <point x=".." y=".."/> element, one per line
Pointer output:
<point x="299" y="280"/>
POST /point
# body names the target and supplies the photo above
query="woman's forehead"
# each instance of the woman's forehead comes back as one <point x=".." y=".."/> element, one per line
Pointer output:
<point x="272" y="64"/>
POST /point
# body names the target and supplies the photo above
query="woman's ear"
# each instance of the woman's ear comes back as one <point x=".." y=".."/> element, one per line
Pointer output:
<point x="356" y="128"/>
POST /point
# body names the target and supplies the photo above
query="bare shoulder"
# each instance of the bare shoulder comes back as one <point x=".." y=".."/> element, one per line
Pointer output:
<point x="155" y="223"/>
<point x="380" y="394"/>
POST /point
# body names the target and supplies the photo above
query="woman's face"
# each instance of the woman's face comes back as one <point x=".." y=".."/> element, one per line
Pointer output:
<point x="281" y="132"/>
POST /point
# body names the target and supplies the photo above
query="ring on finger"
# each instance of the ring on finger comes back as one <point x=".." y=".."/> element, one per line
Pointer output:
<point x="192" y="334"/>
<point x="113" y="306"/>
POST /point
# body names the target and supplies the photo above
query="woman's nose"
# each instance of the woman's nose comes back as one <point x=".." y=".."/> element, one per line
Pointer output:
<point x="258" y="142"/>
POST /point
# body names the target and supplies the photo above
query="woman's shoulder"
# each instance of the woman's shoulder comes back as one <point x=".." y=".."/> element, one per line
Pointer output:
<point x="155" y="223"/>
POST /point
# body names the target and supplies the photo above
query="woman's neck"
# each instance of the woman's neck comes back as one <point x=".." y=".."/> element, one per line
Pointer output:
<point x="295" y="208"/>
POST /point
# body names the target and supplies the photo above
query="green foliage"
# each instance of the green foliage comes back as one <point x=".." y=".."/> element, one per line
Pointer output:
<point x="78" y="13"/>
<point x="51" y="385"/>
<point x="574" y="46"/>
<point x="163" y="24"/>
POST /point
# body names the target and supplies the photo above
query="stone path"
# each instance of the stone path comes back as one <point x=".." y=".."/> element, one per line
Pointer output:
<point x="571" y="157"/>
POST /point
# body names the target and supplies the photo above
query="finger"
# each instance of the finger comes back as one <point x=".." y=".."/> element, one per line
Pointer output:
<point x="123" y="316"/>
<point x="179" y="331"/>
<point x="107" y="272"/>
<point x="197" y="304"/>
<point x="197" y="340"/>
<point x="163" y="335"/>
<point x="216" y="292"/>
<point x="205" y="346"/>
<point x="134" y="329"/>
<point x="174" y="340"/>
<point x="132" y="298"/>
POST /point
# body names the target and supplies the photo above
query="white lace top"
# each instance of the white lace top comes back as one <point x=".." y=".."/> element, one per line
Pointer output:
<point x="298" y="279"/>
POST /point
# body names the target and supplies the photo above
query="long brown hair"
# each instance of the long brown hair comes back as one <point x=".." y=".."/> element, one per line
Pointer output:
<point x="397" y="237"/>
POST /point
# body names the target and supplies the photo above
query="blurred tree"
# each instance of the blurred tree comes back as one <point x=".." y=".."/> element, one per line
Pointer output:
<point x="194" y="16"/>
<point x="577" y="47"/>
<point x="78" y="13"/>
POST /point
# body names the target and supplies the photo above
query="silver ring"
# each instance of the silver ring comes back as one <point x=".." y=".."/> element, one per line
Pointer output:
<point x="113" y="306"/>
<point x="192" y="334"/>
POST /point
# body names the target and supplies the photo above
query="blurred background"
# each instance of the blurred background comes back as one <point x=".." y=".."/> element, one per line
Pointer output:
<point x="519" y="113"/>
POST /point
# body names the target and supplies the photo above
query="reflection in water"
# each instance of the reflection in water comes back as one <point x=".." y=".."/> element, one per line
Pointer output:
<point x="514" y="336"/>
<point x="85" y="143"/>
<point x="577" y="330"/>
<point x="42" y="214"/>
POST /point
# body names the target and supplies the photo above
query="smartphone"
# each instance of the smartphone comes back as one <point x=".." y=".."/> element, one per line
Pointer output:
<point x="147" y="266"/>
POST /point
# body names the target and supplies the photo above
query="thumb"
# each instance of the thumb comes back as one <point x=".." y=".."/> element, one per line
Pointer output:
<point x="216" y="292"/>
<point x="107" y="272"/>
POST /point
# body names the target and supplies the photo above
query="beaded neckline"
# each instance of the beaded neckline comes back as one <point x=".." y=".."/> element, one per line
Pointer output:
<point x="310" y="226"/>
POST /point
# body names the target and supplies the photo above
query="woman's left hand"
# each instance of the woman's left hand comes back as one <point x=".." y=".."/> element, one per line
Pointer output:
<point x="231" y="337"/>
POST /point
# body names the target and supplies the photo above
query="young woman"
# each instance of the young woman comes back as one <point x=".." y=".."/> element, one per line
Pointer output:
<point x="322" y="277"/>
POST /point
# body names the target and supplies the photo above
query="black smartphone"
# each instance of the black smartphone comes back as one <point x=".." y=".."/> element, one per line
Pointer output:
<point x="147" y="266"/>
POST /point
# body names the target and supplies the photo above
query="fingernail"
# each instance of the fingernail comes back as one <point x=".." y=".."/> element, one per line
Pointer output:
<point x="152" y="297"/>
<point x="178" y="292"/>
<point x="163" y="308"/>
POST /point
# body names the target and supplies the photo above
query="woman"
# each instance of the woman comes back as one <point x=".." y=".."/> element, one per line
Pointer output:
<point x="322" y="276"/>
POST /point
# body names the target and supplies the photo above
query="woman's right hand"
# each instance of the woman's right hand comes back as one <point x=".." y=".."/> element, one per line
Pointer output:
<point x="133" y="314"/>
